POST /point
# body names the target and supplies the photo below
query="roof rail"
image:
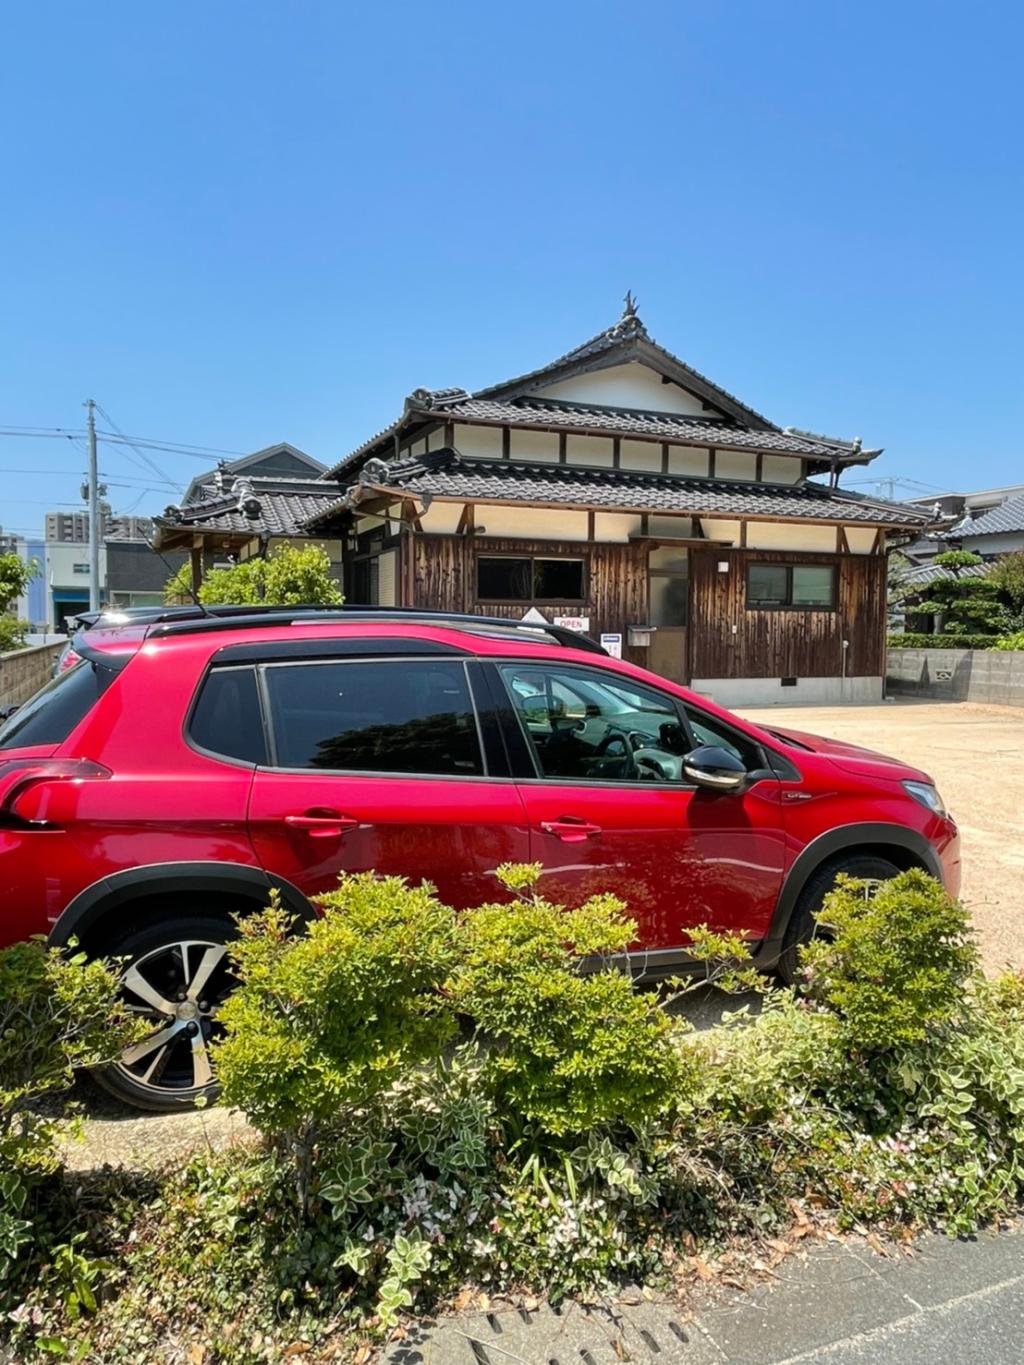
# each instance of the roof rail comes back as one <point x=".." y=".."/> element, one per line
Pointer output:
<point x="253" y="617"/>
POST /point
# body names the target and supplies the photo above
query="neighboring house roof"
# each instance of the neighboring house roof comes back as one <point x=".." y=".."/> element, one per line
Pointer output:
<point x="731" y="425"/>
<point x="256" y="506"/>
<point x="1005" y="519"/>
<point x="281" y="460"/>
<point x="445" y="474"/>
<point x="923" y="574"/>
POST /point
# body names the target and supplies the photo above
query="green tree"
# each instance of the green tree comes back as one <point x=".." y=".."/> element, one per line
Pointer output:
<point x="968" y="603"/>
<point x="1008" y="576"/>
<point x="15" y="576"/>
<point x="291" y="575"/>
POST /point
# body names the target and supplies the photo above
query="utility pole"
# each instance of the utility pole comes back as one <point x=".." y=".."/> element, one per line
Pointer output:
<point x="94" y="512"/>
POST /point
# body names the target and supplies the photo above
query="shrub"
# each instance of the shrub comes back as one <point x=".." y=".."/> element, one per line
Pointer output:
<point x="291" y="575"/>
<point x="323" y="1022"/>
<point x="896" y="960"/>
<point x="564" y="1051"/>
<point x="12" y="633"/>
<point x="1010" y="642"/>
<point x="910" y="640"/>
<point x="56" y="1014"/>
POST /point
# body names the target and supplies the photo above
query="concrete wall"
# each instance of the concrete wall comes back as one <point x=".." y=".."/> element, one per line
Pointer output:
<point x="805" y="692"/>
<point x="981" y="675"/>
<point x="24" y="671"/>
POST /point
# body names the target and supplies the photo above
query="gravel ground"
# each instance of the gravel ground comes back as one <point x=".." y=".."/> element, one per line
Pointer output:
<point x="974" y="753"/>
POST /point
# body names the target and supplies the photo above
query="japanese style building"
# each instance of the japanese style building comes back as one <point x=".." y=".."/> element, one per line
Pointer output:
<point x="615" y="486"/>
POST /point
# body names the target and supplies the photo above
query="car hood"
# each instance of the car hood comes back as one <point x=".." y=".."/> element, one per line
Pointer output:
<point x="854" y="758"/>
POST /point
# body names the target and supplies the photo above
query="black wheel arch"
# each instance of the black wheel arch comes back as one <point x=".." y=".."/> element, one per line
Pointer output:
<point x="904" y="847"/>
<point x="94" y="911"/>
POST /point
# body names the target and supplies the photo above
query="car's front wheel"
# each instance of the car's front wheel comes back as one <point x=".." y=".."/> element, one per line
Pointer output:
<point x="803" y="926"/>
<point x="175" y="975"/>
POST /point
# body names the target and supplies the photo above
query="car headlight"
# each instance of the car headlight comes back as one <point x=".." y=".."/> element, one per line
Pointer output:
<point x="927" y="795"/>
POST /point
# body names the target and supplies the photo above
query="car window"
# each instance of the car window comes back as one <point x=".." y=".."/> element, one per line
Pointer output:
<point x="584" y="727"/>
<point x="226" y="718"/>
<point x="51" y="715"/>
<point x="396" y="715"/>
<point x="708" y="730"/>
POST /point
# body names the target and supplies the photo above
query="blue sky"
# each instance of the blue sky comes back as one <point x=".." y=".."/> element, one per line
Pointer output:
<point x="236" y="223"/>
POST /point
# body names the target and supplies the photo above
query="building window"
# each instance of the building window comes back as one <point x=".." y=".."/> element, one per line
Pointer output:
<point x="523" y="578"/>
<point x="791" y="585"/>
<point x="669" y="586"/>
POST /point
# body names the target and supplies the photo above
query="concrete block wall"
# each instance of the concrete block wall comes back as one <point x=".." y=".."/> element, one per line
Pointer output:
<point x="981" y="675"/>
<point x="25" y="671"/>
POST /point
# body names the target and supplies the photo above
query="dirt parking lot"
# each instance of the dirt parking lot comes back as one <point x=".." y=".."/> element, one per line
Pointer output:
<point x="975" y="754"/>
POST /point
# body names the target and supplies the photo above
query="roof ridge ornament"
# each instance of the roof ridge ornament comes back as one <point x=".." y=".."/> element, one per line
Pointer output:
<point x="629" y="324"/>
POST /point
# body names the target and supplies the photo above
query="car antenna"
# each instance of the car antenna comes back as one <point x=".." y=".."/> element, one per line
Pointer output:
<point x="173" y="572"/>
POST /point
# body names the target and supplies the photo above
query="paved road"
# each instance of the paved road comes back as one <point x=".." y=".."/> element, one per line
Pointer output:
<point x="841" y="1304"/>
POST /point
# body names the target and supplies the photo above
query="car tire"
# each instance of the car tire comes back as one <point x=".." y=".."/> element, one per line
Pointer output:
<point x="803" y="926"/>
<point x="175" y="973"/>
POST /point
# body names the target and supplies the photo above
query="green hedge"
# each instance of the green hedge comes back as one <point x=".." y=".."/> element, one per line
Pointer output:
<point x="910" y="641"/>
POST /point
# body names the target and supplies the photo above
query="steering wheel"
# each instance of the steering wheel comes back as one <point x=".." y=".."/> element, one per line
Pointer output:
<point x="616" y="736"/>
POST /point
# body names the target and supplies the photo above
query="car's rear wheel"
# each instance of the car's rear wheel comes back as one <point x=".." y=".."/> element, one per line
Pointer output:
<point x="175" y="976"/>
<point x="804" y="925"/>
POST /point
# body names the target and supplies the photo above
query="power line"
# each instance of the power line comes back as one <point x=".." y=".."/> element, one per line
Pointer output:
<point x="141" y="453"/>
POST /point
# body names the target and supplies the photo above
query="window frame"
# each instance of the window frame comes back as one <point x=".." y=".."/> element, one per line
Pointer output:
<point x="789" y="604"/>
<point x="485" y="750"/>
<point x="532" y="557"/>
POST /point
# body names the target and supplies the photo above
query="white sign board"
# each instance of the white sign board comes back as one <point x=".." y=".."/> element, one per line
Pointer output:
<point x="534" y="617"/>
<point x="581" y="624"/>
<point x="612" y="643"/>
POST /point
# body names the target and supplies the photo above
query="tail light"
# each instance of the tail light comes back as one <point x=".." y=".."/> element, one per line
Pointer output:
<point x="68" y="660"/>
<point x="29" y="786"/>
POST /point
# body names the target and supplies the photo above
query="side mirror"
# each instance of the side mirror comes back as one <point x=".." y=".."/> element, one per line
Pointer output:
<point x="714" y="768"/>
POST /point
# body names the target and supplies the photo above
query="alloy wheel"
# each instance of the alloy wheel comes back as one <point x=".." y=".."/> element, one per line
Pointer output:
<point x="178" y="987"/>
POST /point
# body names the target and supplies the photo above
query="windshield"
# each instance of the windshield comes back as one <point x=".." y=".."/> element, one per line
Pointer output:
<point x="51" y="715"/>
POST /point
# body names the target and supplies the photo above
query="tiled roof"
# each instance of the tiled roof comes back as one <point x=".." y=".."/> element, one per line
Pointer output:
<point x="267" y="506"/>
<point x="703" y="431"/>
<point x="1007" y="518"/>
<point x="446" y="475"/>
<point x="629" y="333"/>
<point x="923" y="574"/>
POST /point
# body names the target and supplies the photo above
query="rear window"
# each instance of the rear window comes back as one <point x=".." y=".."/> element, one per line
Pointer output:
<point x="227" y="718"/>
<point x="398" y="716"/>
<point x="51" y="715"/>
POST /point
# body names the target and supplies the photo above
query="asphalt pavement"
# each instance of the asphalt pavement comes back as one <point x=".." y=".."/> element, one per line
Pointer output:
<point x="840" y="1303"/>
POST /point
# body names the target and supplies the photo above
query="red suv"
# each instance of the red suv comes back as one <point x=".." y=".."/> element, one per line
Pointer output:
<point x="182" y="768"/>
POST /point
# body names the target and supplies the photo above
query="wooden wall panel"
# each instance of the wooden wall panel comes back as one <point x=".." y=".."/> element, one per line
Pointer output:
<point x="785" y="643"/>
<point x="444" y="578"/>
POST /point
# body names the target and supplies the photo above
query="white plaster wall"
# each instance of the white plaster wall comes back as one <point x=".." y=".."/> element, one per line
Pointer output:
<point x="442" y="518"/>
<point x="615" y="526"/>
<point x="626" y="386"/>
<point x="417" y="448"/>
<point x="735" y="464"/>
<point x="592" y="450"/>
<point x="766" y="535"/>
<point x="640" y="455"/>
<point x="478" y="442"/>
<point x="387" y="575"/>
<point x="531" y="523"/>
<point x="861" y="539"/>
<point x="364" y="524"/>
<point x="435" y="438"/>
<point x="61" y="557"/>
<point x="688" y="460"/>
<point x="995" y="545"/>
<point x="721" y="530"/>
<point x="534" y="445"/>
<point x="781" y="469"/>
<point x="670" y="526"/>
<point x="770" y="692"/>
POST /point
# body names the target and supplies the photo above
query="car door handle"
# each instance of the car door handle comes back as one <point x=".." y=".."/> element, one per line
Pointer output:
<point x="570" y="829"/>
<point x="322" y="824"/>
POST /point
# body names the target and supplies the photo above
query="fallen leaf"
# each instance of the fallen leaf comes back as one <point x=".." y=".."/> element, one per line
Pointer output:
<point x="297" y="1348"/>
<point x="196" y="1354"/>
<point x="876" y="1244"/>
<point x="702" y="1268"/>
<point x="620" y="1351"/>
